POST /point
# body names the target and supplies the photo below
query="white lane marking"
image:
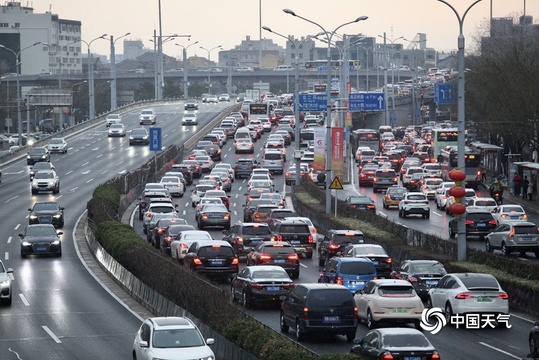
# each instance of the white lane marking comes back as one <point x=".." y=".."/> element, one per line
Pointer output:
<point x="95" y="149"/>
<point x="14" y="173"/>
<point x="16" y="227"/>
<point x="89" y="181"/>
<point x="11" y="198"/>
<point x="500" y="350"/>
<point x="86" y="172"/>
<point x="51" y="334"/>
<point x="120" y="163"/>
<point x="184" y="212"/>
<point x="435" y="213"/>
<point x="75" y="188"/>
<point x="69" y="172"/>
<point x="6" y="255"/>
<point x="24" y="300"/>
<point x="58" y="196"/>
<point x="86" y="163"/>
<point x="305" y="266"/>
<point x="98" y="156"/>
<point x="104" y="172"/>
<point x="522" y="318"/>
<point x="235" y="212"/>
<point x="9" y="239"/>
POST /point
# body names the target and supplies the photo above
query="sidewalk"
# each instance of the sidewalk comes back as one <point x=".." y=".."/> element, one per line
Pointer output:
<point x="530" y="206"/>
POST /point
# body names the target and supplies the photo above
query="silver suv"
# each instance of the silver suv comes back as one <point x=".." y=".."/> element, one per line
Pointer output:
<point x="273" y="160"/>
<point x="415" y="203"/>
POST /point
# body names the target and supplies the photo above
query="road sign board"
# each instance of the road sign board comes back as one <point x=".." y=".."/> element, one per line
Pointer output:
<point x="368" y="101"/>
<point x="336" y="184"/>
<point x="155" y="139"/>
<point x="313" y="102"/>
<point x="445" y="93"/>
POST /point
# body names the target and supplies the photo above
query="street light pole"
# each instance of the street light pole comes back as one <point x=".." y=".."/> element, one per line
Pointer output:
<point x="113" y="100"/>
<point x="296" y="95"/>
<point x="209" y="63"/>
<point x="71" y="122"/>
<point x="18" y="63"/>
<point x="392" y="69"/>
<point x="461" y="229"/>
<point x="329" y="36"/>
<point x="185" y="67"/>
<point x="91" y="94"/>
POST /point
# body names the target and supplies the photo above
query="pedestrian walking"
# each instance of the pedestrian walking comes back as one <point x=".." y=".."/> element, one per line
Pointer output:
<point x="529" y="190"/>
<point x="525" y="184"/>
<point x="517" y="184"/>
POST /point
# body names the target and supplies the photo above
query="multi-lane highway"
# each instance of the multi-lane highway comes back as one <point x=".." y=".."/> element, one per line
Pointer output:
<point x="59" y="311"/>
<point x="473" y="344"/>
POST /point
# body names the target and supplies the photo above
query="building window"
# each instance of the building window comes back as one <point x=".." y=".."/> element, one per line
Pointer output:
<point x="17" y="25"/>
<point x="4" y="25"/>
<point x="301" y="55"/>
<point x="292" y="56"/>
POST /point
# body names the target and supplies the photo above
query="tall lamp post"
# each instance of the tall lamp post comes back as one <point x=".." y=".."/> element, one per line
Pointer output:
<point x="392" y="67"/>
<point x="329" y="36"/>
<point x="18" y="63"/>
<point x="366" y="66"/>
<point x="113" y="100"/>
<point x="296" y="93"/>
<point x="185" y="68"/>
<point x="461" y="229"/>
<point x="71" y="122"/>
<point x="209" y="63"/>
<point x="91" y="94"/>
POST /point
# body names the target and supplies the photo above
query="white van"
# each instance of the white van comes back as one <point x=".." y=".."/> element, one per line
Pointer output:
<point x="242" y="133"/>
<point x="283" y="68"/>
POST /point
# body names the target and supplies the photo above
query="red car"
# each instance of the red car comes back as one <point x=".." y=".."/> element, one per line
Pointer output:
<point x="366" y="176"/>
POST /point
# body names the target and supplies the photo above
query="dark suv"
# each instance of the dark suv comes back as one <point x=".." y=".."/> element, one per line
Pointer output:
<point x="278" y="253"/>
<point x="478" y="223"/>
<point x="243" y="235"/>
<point x="38" y="154"/>
<point x="297" y="233"/>
<point x="335" y="241"/>
<point x="244" y="167"/>
<point x="213" y="258"/>
<point x="319" y="308"/>
<point x="185" y="170"/>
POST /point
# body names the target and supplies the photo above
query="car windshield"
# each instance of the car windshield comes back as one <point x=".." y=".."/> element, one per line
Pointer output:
<point x="256" y="230"/>
<point x="282" y="214"/>
<point x="405" y="341"/>
<point x="44" y="175"/>
<point x="147" y="112"/>
<point x="177" y="338"/>
<point x="396" y="191"/>
<point x="526" y="229"/>
<point x="56" y="141"/>
<point x="45" y="206"/>
<point x="479" y="216"/>
<point x="396" y="291"/>
<point x="270" y="274"/>
<point x="41" y="231"/>
<point x="360" y="200"/>
<point x="512" y="209"/>
<point x="417" y="197"/>
<point x="138" y="132"/>
<point x="428" y="268"/>
<point x="331" y="298"/>
<point x="220" y="251"/>
<point x="485" y="203"/>
<point x="295" y="229"/>
<point x="348" y="239"/>
<point x="38" y="151"/>
<point x="116" y="126"/>
<point x="479" y="282"/>
<point x="162" y="209"/>
<point x="370" y="250"/>
<point x="358" y="268"/>
<point x="42" y="166"/>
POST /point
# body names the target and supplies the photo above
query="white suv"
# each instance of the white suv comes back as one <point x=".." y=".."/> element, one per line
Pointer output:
<point x="147" y="117"/>
<point x="171" y="337"/>
<point x="415" y="203"/>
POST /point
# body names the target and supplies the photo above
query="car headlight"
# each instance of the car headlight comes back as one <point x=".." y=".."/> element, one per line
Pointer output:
<point x="33" y="217"/>
<point x="43" y="156"/>
<point x="131" y="138"/>
<point x="28" y="157"/>
<point x="25" y="243"/>
<point x="56" y="242"/>
<point x="5" y="283"/>
<point x="145" y="137"/>
<point x="57" y="216"/>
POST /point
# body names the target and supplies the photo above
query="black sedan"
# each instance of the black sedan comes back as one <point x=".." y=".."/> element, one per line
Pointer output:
<point x="534" y="341"/>
<point x="139" y="136"/>
<point x="422" y="274"/>
<point x="478" y="222"/>
<point x="395" y="343"/>
<point x="214" y="215"/>
<point x="38" y="154"/>
<point x="40" y="239"/>
<point x="260" y="284"/>
<point x="40" y="166"/>
<point x="46" y="212"/>
<point x="279" y="253"/>
<point x="361" y="202"/>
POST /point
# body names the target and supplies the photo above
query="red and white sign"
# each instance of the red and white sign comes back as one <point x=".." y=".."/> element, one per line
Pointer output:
<point x="337" y="148"/>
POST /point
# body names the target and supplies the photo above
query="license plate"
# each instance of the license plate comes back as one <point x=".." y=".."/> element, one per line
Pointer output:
<point x="375" y="263"/>
<point x="216" y="262"/>
<point x="431" y="282"/>
<point x="484" y="299"/>
<point x="279" y="261"/>
<point x="526" y="238"/>
<point x="412" y="358"/>
<point x="295" y="242"/>
<point x="273" y="288"/>
<point x="515" y="217"/>
<point x="357" y="282"/>
<point x="399" y="311"/>
<point x="331" y="319"/>
<point x="41" y="248"/>
<point x="481" y="225"/>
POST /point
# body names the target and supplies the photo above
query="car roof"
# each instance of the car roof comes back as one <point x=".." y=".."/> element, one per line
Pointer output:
<point x="392" y="282"/>
<point x="171" y="322"/>
<point x="344" y="232"/>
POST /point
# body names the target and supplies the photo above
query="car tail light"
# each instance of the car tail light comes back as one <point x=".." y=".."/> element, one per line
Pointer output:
<point x="412" y="278"/>
<point x="469" y="222"/>
<point x="503" y="216"/>
<point x="265" y="257"/>
<point x="311" y="239"/>
<point x="239" y="239"/>
<point x="256" y="286"/>
<point x="463" y="296"/>
<point x="235" y="261"/>
<point x="149" y="215"/>
<point x="334" y="246"/>
<point x="355" y="312"/>
<point x="293" y="257"/>
<point x="168" y="239"/>
<point x="279" y="238"/>
<point x="204" y="216"/>
<point x="406" y="202"/>
<point x="338" y="281"/>
<point x="197" y="261"/>
<point x="288" y="286"/>
<point x="435" y="356"/>
<point x="183" y="246"/>
<point x="371" y="207"/>
<point x="492" y="222"/>
<point x="386" y="356"/>
<point x="503" y="296"/>
<point x="389" y="260"/>
<point x="425" y="202"/>
<point x="287" y="174"/>
<point x="305" y="313"/>
<point x="395" y="180"/>
<point x="257" y="216"/>
<point x="375" y="179"/>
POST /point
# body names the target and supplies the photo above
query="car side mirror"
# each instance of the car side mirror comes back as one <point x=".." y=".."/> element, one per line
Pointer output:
<point x="210" y="341"/>
<point x="60" y="233"/>
<point x="143" y="344"/>
<point x="29" y="209"/>
<point x="21" y="235"/>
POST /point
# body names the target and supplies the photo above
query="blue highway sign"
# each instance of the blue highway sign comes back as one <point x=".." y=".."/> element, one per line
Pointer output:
<point x="445" y="93"/>
<point x="368" y="101"/>
<point x="313" y="102"/>
<point x="155" y="139"/>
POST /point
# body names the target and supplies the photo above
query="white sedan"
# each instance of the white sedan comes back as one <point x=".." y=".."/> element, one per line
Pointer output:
<point x="389" y="301"/>
<point x="189" y="118"/>
<point x="174" y="184"/>
<point x="180" y="245"/>
<point x="484" y="203"/>
<point x="58" y="145"/>
<point x="117" y="130"/>
<point x="505" y="213"/>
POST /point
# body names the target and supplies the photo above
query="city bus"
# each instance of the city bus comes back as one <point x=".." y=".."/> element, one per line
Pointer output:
<point x="442" y="138"/>
<point x="322" y="65"/>
<point x="369" y="138"/>
<point x="448" y="160"/>
<point x="257" y="110"/>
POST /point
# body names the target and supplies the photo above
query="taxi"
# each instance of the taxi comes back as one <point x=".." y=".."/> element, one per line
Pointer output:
<point x="393" y="196"/>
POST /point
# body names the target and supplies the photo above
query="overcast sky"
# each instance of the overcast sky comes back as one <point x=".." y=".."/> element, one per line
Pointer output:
<point x="227" y="23"/>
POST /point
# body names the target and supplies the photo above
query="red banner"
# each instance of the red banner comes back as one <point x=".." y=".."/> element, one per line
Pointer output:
<point x="337" y="148"/>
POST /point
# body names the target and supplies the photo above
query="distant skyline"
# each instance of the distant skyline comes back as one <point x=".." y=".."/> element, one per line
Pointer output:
<point x="227" y="23"/>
